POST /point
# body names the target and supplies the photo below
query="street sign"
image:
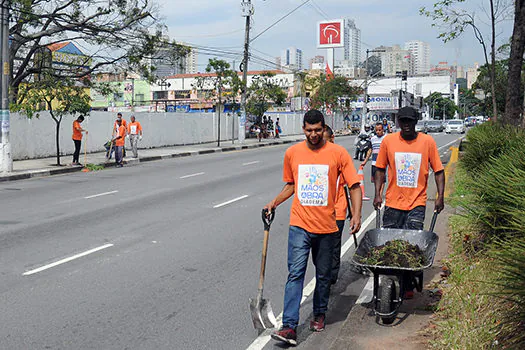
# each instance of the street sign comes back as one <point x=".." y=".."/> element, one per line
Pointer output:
<point x="330" y="34"/>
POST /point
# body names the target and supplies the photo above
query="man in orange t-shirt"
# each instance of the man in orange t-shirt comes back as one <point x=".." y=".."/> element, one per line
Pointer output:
<point x="135" y="134"/>
<point x="408" y="155"/>
<point x="311" y="170"/>
<point x="118" y="140"/>
<point x="77" y="138"/>
<point x="341" y="210"/>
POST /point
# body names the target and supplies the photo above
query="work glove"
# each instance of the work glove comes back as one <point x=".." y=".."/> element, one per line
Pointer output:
<point x="140" y="137"/>
<point x="127" y="136"/>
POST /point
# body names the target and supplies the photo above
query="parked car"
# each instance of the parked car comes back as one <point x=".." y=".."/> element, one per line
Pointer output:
<point x="435" y="126"/>
<point x="455" y="125"/>
<point x="421" y="126"/>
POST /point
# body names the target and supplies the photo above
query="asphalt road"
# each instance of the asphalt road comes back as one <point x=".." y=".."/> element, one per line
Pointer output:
<point x="163" y="255"/>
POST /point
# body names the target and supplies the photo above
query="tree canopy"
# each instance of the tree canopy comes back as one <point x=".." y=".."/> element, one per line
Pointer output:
<point x="114" y="35"/>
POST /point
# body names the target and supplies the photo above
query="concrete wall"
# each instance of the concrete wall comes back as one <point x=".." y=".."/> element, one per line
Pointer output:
<point x="35" y="138"/>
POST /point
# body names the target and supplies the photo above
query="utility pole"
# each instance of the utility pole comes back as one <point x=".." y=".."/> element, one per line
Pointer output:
<point x="247" y="11"/>
<point x="6" y="160"/>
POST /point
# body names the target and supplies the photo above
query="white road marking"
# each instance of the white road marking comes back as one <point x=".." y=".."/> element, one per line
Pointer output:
<point x="191" y="175"/>
<point x="448" y="144"/>
<point x="263" y="339"/>
<point x="63" y="261"/>
<point x="231" y="201"/>
<point x="100" y="194"/>
<point x="250" y="163"/>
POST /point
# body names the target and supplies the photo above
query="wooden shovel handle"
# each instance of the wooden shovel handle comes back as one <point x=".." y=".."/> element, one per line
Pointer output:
<point x="263" y="259"/>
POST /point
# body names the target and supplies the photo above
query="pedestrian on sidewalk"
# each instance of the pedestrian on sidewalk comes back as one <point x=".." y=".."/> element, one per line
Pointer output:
<point x="119" y="141"/>
<point x="115" y="127"/>
<point x="374" y="150"/>
<point x="310" y="171"/>
<point x="407" y="154"/>
<point x="277" y="128"/>
<point x="135" y="134"/>
<point x="341" y="209"/>
<point x="77" y="139"/>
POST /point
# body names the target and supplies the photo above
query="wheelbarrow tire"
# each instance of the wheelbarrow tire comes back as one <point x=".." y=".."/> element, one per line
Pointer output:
<point x="388" y="295"/>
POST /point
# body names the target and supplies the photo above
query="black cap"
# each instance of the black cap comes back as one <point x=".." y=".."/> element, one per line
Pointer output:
<point x="408" y="113"/>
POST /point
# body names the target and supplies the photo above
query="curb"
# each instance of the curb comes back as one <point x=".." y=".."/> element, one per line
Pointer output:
<point x="29" y="174"/>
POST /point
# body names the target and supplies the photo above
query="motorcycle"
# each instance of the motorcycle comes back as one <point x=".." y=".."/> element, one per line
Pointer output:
<point x="362" y="146"/>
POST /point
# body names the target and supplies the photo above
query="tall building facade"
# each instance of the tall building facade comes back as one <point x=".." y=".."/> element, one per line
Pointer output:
<point x="419" y="57"/>
<point x="394" y="59"/>
<point x="165" y="66"/>
<point x="316" y="61"/>
<point x="191" y="62"/>
<point x="292" y="59"/>
<point x="352" y="44"/>
<point x="472" y="74"/>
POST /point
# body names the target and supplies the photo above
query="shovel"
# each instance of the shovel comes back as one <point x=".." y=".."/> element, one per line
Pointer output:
<point x="347" y="196"/>
<point x="262" y="314"/>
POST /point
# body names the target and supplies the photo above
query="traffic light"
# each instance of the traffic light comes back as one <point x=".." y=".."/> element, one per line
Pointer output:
<point x="367" y="98"/>
<point x="404" y="75"/>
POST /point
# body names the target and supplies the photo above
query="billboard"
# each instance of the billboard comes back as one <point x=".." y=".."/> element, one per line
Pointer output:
<point x="330" y="34"/>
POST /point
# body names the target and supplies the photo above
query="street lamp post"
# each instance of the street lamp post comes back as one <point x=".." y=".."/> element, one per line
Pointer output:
<point x="364" y="111"/>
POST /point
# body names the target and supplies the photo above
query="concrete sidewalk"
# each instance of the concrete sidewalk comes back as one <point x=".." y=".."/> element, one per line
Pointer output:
<point x="25" y="169"/>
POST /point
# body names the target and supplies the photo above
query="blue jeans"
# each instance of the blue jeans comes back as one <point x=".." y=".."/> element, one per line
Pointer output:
<point x="404" y="219"/>
<point x="299" y="244"/>
<point x="118" y="154"/>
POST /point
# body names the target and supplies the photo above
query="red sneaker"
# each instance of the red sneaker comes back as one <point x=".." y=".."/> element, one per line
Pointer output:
<point x="317" y="324"/>
<point x="285" y="335"/>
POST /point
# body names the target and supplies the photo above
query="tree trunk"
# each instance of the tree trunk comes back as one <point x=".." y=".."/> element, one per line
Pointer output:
<point x="493" y="62"/>
<point x="57" y="134"/>
<point x="513" y="103"/>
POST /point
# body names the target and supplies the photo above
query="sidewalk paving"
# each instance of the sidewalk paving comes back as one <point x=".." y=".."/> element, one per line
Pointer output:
<point x="31" y="168"/>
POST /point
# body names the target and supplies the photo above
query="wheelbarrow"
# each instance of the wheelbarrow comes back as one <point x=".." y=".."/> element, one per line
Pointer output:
<point x="391" y="282"/>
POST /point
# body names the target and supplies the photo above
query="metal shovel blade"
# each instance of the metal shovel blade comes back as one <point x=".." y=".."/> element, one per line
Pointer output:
<point x="262" y="314"/>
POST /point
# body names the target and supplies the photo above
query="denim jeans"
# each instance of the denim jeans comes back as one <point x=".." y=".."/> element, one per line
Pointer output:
<point x="299" y="244"/>
<point x="336" y="260"/>
<point x="404" y="219"/>
<point x="118" y="154"/>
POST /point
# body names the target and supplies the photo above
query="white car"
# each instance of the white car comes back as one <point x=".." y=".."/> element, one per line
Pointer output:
<point x="455" y="125"/>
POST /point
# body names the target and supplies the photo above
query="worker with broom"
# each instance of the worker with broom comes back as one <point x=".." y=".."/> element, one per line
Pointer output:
<point x="77" y="138"/>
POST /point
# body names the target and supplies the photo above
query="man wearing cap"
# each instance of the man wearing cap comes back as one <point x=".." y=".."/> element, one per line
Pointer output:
<point x="408" y="155"/>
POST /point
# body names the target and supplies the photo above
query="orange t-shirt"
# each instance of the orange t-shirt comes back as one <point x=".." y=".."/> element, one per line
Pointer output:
<point x="341" y="206"/>
<point x="134" y="128"/>
<point x="122" y="133"/>
<point x="408" y="167"/>
<point x="314" y="174"/>
<point x="77" y="134"/>
<point x="124" y="124"/>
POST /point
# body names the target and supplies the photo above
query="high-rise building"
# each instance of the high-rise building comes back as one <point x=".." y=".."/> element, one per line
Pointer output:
<point x="419" y="57"/>
<point x="394" y="60"/>
<point x="292" y="59"/>
<point x="316" y="61"/>
<point x="191" y="62"/>
<point x="352" y="45"/>
<point x="278" y="64"/>
<point x="472" y="74"/>
<point x="166" y="66"/>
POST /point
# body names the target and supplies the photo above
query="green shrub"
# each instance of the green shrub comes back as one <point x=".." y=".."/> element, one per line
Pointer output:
<point x="488" y="141"/>
<point x="509" y="261"/>
<point x="498" y="190"/>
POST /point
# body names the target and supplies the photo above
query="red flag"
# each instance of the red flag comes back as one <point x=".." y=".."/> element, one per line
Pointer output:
<point x="329" y="74"/>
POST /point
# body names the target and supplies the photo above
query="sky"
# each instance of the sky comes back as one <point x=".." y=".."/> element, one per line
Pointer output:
<point x="218" y="26"/>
